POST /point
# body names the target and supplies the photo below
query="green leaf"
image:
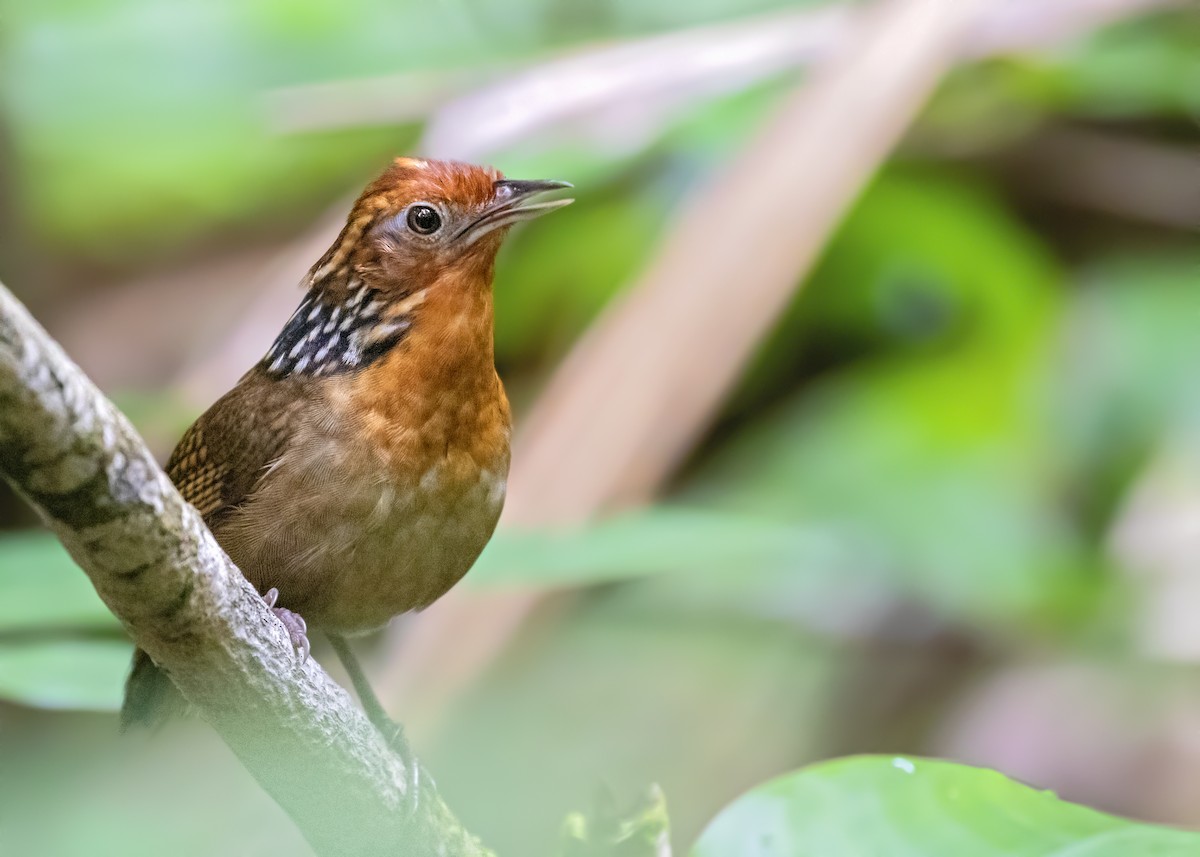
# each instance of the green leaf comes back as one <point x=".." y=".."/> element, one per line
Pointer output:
<point x="42" y="592"/>
<point x="74" y="674"/>
<point x="41" y="588"/>
<point x="648" y="542"/>
<point x="904" y="807"/>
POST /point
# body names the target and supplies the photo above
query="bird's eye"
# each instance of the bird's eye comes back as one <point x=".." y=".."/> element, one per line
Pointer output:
<point x="424" y="219"/>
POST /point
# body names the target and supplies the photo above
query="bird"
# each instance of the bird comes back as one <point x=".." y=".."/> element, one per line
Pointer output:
<point x="357" y="471"/>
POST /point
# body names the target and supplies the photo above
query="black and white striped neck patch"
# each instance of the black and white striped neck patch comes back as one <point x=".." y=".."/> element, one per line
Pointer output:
<point x="331" y="338"/>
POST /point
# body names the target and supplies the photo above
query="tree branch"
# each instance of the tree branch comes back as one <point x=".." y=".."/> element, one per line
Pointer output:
<point x="78" y="461"/>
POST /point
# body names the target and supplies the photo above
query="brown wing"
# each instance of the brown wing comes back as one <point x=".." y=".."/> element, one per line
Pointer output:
<point x="221" y="458"/>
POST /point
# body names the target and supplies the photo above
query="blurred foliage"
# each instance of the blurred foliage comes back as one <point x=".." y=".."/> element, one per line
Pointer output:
<point x="71" y="786"/>
<point x="1144" y="69"/>
<point x="172" y="109"/>
<point x="59" y="645"/>
<point x="941" y="308"/>
<point x="76" y="674"/>
<point x="642" y="831"/>
<point x="915" y="483"/>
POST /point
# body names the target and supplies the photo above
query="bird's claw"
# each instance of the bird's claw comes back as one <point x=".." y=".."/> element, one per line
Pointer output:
<point x="296" y="627"/>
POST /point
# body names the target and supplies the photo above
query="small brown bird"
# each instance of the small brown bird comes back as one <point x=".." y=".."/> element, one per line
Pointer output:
<point x="359" y="469"/>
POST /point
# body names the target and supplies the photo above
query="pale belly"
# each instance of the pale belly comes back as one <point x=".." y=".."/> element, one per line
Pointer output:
<point x="350" y="550"/>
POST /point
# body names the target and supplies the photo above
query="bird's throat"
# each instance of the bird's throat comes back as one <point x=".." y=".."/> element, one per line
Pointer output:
<point x="329" y="336"/>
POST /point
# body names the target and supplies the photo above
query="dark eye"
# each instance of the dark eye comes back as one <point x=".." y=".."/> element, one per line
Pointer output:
<point x="424" y="219"/>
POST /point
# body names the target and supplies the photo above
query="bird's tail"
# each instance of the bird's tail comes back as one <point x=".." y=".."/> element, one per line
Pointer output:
<point x="150" y="696"/>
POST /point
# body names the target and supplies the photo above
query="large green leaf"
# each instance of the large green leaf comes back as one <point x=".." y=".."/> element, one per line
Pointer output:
<point x="50" y="655"/>
<point x="904" y="807"/>
<point x="42" y="589"/>
<point x="75" y="674"/>
<point x="651" y="541"/>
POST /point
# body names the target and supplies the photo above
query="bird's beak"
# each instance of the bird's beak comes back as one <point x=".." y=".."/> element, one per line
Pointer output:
<point x="512" y="202"/>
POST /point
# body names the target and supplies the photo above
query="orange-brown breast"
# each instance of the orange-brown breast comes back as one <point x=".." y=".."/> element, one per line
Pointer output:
<point x="393" y="480"/>
<point x="436" y="397"/>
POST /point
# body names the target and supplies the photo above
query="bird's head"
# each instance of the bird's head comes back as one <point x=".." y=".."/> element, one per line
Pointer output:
<point x="426" y="221"/>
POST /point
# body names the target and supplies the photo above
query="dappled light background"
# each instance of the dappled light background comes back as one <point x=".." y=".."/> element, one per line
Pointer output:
<point x="856" y="395"/>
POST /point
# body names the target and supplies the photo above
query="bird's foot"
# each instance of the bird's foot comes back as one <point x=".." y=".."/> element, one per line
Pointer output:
<point x="296" y="627"/>
<point x="419" y="779"/>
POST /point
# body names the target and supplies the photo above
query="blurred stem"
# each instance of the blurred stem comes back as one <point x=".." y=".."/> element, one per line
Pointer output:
<point x="643" y="831"/>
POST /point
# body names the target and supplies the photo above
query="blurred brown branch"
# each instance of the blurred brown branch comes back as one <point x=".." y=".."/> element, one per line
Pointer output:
<point x="662" y="358"/>
<point x="1119" y="175"/>
<point x="388" y="100"/>
<point x="74" y="457"/>
<point x="636" y="82"/>
<point x="635" y="393"/>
